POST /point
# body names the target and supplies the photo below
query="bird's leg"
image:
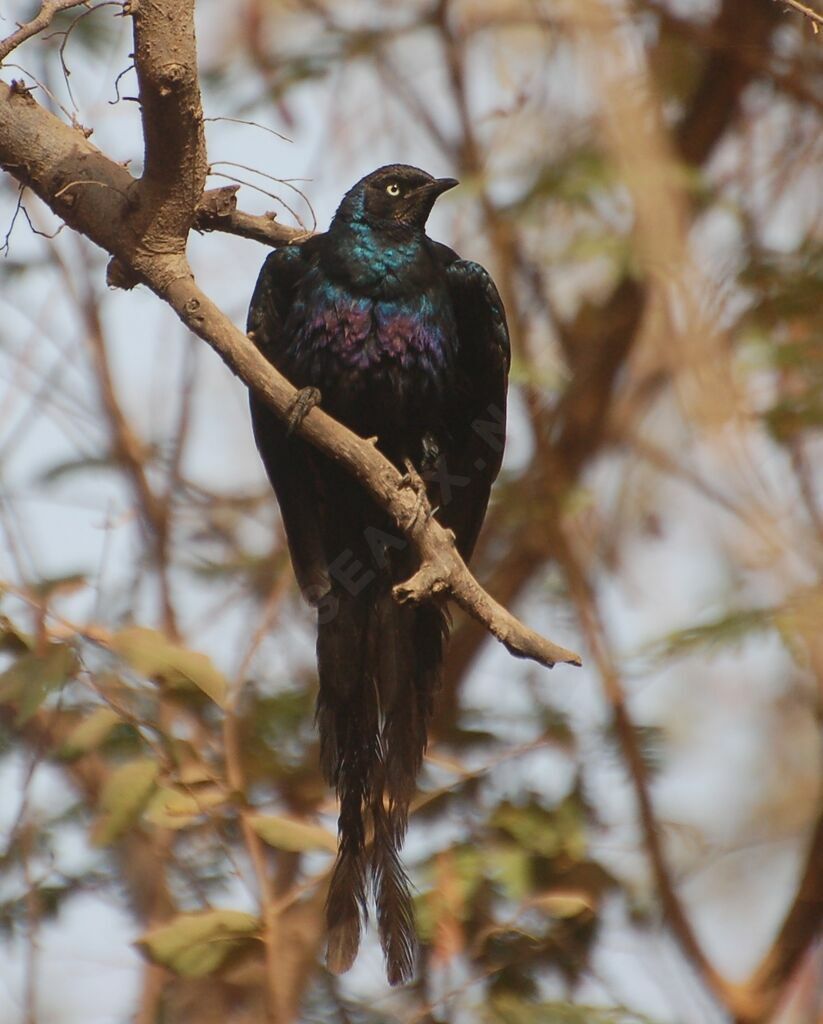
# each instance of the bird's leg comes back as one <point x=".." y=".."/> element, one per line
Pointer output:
<point x="304" y="401"/>
<point x="431" y="453"/>
<point x="412" y="479"/>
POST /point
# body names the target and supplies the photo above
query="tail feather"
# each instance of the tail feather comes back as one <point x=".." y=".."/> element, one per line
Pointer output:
<point x="348" y="728"/>
<point x="346" y="907"/>
<point x="392" y="893"/>
<point x="406" y="725"/>
<point x="379" y="666"/>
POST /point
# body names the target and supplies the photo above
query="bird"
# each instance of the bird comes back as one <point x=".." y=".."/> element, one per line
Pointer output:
<point x="405" y="343"/>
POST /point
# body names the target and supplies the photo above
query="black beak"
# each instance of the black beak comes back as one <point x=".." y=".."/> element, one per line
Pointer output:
<point x="432" y="189"/>
<point x="441" y="185"/>
<point x="424" y="197"/>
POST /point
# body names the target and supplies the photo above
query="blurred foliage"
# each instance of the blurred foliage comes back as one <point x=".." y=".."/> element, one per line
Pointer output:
<point x="196" y="945"/>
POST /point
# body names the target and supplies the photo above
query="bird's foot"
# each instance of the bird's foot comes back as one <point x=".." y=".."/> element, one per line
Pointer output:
<point x="305" y="400"/>
<point x="431" y="454"/>
<point x="412" y="479"/>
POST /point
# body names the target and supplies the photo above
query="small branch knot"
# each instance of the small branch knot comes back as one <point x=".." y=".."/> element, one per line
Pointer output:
<point x="19" y="88"/>
<point x="216" y="205"/>
<point x="430" y="579"/>
<point x="120" y="276"/>
<point x="414" y="482"/>
<point x="170" y="78"/>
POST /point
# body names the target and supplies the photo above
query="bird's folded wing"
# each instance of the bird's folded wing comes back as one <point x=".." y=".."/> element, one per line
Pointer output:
<point x="477" y="419"/>
<point x="289" y="462"/>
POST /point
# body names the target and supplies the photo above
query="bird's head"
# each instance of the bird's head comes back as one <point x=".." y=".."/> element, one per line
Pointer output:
<point x="392" y="197"/>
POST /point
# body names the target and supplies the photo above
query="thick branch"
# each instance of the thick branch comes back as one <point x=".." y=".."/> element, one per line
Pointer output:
<point x="61" y="159"/>
<point x="92" y="194"/>
<point x="716" y="100"/>
<point x="444" y="570"/>
<point x="175" y="166"/>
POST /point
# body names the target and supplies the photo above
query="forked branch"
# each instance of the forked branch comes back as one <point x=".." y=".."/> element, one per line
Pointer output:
<point x="144" y="223"/>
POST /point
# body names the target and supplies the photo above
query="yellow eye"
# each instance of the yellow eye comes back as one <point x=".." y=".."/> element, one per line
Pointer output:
<point x="393" y="189"/>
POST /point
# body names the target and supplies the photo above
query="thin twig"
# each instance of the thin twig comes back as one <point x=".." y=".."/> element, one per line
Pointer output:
<point x="62" y="50"/>
<point x="800" y="928"/>
<point x="583" y="596"/>
<point x="174" y="475"/>
<point x="288" y="182"/>
<point x="5" y="247"/>
<point x="155" y="512"/>
<point x="89" y="181"/>
<point x="269" y="912"/>
<point x="279" y="589"/>
<point x="251" y="124"/>
<point x="42" y="20"/>
<point x="815" y="18"/>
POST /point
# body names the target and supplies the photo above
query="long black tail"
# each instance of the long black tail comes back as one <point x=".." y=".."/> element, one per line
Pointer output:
<point x="379" y="666"/>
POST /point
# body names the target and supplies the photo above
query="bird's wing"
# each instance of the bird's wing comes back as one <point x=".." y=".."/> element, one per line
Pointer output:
<point x="273" y="296"/>
<point x="477" y="418"/>
<point x="288" y="460"/>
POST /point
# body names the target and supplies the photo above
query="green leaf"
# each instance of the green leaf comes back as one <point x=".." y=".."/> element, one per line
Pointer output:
<point x="510" y="866"/>
<point x="189" y="770"/>
<point x="541" y="831"/>
<point x="32" y="678"/>
<point x="466" y="867"/>
<point x="61" y="469"/>
<point x="508" y="1008"/>
<point x="152" y="654"/>
<point x="13" y="640"/>
<point x="175" y="808"/>
<point x="789" y="417"/>
<point x="729" y="628"/>
<point x="124" y="796"/>
<point x="291" y="834"/>
<point x="565" y="903"/>
<point x="195" y="945"/>
<point x="90" y="733"/>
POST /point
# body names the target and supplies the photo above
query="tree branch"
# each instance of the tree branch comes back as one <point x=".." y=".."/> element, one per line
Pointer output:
<point x="737" y="1000"/>
<point x="144" y="226"/>
<point x="442" y="569"/>
<point x="815" y="18"/>
<point x="801" y="926"/>
<point x="42" y="20"/>
<point x="721" y="37"/>
<point x="175" y="164"/>
<point x="599" y="343"/>
<point x="217" y="211"/>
